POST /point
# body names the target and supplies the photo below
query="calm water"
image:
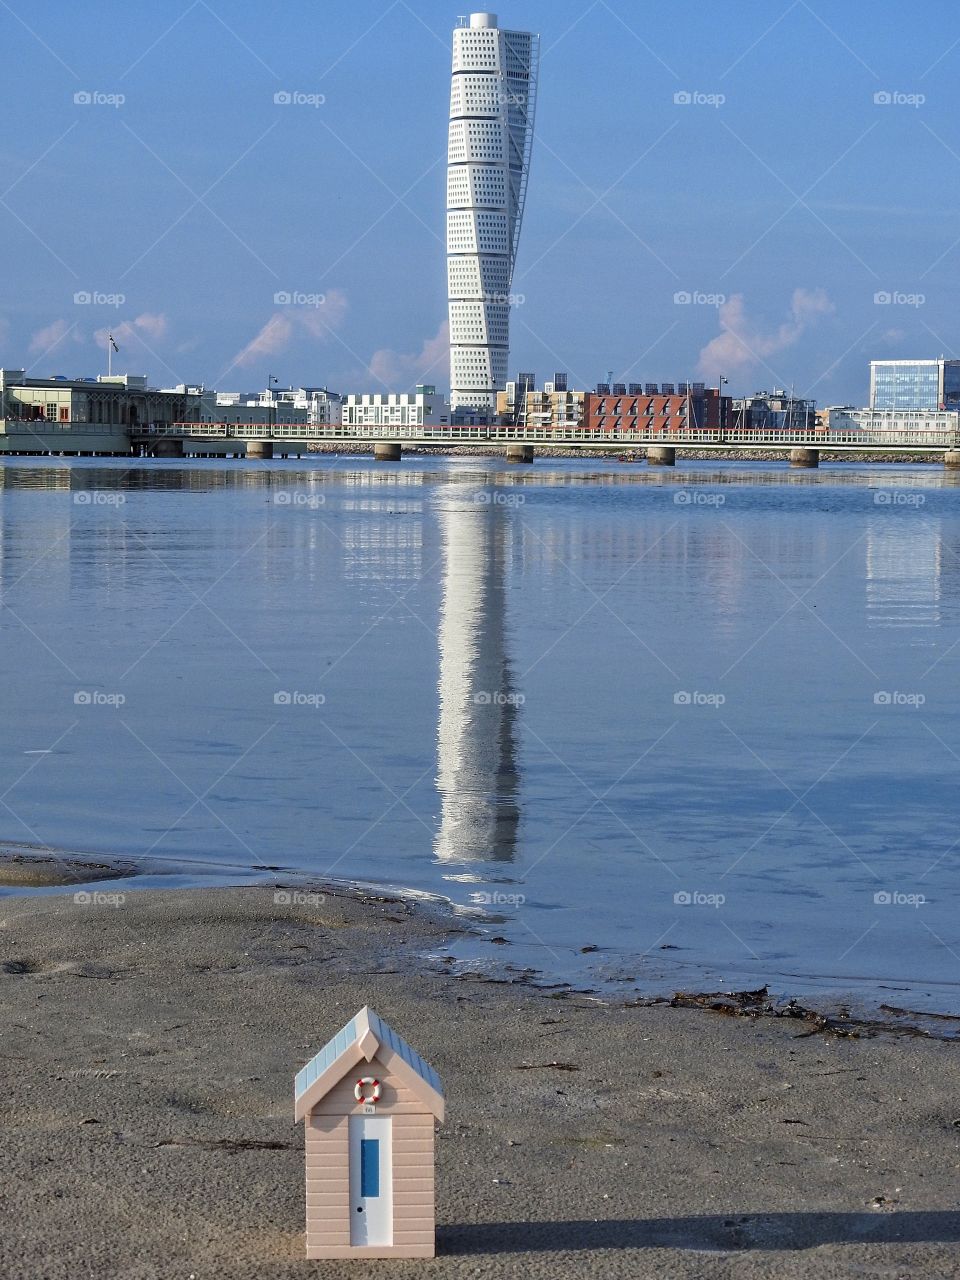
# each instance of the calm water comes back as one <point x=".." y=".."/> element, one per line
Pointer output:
<point x="696" y="719"/>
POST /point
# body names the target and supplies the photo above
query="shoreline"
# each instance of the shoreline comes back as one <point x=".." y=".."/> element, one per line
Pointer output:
<point x="25" y="867"/>
<point x="149" y="1057"/>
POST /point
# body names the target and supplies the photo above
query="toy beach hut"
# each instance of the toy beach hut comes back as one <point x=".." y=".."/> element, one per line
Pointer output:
<point x="369" y="1103"/>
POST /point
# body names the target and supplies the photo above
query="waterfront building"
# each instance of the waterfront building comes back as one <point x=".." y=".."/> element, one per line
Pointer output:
<point x="315" y="406"/>
<point x="422" y="408"/>
<point x="86" y="415"/>
<point x="232" y="408"/>
<point x="773" y="411"/>
<point x="123" y="400"/>
<point x="492" y="108"/>
<point x="915" y="384"/>
<point x="667" y="407"/>
<point x="895" y="422"/>
<point x="554" y="408"/>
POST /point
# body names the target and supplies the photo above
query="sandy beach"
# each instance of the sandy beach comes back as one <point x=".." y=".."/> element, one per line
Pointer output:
<point x="149" y="1053"/>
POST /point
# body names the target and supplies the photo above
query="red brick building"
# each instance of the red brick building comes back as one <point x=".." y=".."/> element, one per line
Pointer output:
<point x="698" y="409"/>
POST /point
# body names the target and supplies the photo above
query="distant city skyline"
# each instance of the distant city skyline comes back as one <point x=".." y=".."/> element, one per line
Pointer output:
<point x="766" y="192"/>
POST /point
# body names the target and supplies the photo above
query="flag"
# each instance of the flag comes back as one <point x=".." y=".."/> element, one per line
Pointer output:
<point x="112" y="343"/>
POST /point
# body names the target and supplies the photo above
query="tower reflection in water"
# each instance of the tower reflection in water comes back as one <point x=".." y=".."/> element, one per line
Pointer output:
<point x="476" y="738"/>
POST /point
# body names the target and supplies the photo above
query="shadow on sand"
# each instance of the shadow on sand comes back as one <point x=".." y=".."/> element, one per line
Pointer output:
<point x="718" y="1233"/>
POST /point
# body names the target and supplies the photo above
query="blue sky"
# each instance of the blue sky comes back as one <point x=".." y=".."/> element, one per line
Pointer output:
<point x="824" y="220"/>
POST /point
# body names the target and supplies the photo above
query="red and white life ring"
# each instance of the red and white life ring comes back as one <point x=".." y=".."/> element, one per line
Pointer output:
<point x="359" y="1093"/>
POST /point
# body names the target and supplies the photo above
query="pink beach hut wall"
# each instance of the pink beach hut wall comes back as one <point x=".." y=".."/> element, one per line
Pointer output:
<point x="369" y="1103"/>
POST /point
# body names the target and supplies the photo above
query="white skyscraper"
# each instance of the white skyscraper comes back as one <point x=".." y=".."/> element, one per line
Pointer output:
<point x="492" y="106"/>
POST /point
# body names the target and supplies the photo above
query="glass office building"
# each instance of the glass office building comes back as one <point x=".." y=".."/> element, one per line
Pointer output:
<point x="915" y="384"/>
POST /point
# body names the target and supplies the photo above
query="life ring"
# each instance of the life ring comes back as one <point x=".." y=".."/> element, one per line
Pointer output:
<point x="358" y="1091"/>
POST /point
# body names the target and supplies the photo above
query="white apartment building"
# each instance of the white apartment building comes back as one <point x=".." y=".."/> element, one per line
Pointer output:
<point x="422" y="408"/>
<point x="314" y="406"/>
<point x="492" y="107"/>
<point x="897" y="422"/>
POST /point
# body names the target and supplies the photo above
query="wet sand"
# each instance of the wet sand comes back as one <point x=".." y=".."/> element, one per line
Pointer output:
<point x="149" y="1051"/>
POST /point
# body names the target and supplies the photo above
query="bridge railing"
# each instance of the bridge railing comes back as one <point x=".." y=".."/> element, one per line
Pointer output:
<point x="445" y="435"/>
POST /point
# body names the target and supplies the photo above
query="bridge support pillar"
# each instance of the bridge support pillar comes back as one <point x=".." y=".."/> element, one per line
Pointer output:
<point x="951" y="459"/>
<point x="387" y="451"/>
<point x="168" y="447"/>
<point x="519" y="452"/>
<point x="260" y="449"/>
<point x="661" y="455"/>
<point x="804" y="457"/>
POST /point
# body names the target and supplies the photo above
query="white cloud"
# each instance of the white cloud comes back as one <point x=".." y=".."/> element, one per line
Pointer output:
<point x="891" y="337"/>
<point x="46" y="339"/>
<point x="273" y="337"/>
<point x="148" y="326"/>
<point x="155" y="326"/>
<point x="276" y="335"/>
<point x="322" y="320"/>
<point x="742" y="343"/>
<point x="399" y="371"/>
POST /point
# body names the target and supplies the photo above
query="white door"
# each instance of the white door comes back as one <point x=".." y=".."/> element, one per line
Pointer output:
<point x="371" y="1181"/>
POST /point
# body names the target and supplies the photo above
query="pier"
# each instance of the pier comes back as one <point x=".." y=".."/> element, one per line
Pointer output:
<point x="799" y="447"/>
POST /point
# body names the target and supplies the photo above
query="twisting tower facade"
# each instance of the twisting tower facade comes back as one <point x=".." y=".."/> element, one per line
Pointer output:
<point x="492" y="107"/>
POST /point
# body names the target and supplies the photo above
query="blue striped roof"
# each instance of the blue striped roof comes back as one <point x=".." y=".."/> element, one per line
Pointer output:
<point x="327" y="1056"/>
<point x="352" y="1032"/>
<point x="386" y="1035"/>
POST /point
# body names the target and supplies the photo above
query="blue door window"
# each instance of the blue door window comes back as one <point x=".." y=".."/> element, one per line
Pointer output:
<point x="369" y="1167"/>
